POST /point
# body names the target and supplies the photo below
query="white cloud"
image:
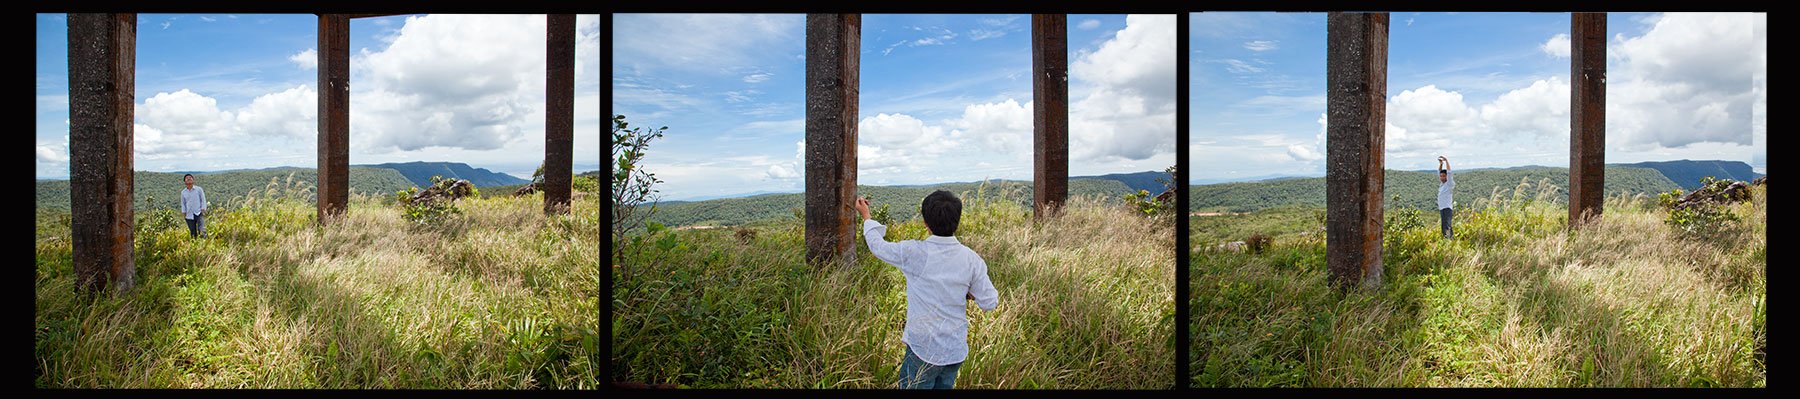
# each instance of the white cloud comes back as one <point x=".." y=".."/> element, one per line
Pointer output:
<point x="740" y="96"/>
<point x="896" y="142"/>
<point x="1238" y="66"/>
<point x="291" y="113"/>
<point x="308" y="59"/>
<point x="490" y="96"/>
<point x="1301" y="153"/>
<point x="179" y="124"/>
<point x="704" y="43"/>
<point x="1557" y="46"/>
<point x="758" y="77"/>
<point x="1129" y="112"/>
<point x="1088" y="24"/>
<point x="208" y="19"/>
<point x="53" y="158"/>
<point x="983" y="34"/>
<point x="1262" y="45"/>
<point x="1428" y="119"/>
<point x="1540" y="110"/>
<point x="782" y="172"/>
<point x="1689" y="79"/>
<point x="1001" y="127"/>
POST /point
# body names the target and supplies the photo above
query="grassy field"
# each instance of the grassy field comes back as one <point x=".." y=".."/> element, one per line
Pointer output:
<point x="1514" y="301"/>
<point x="502" y="297"/>
<point x="1086" y="301"/>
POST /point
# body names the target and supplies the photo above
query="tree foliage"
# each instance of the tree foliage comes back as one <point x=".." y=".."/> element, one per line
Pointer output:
<point x="632" y="186"/>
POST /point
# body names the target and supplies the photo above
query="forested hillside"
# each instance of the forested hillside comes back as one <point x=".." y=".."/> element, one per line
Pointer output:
<point x="1415" y="189"/>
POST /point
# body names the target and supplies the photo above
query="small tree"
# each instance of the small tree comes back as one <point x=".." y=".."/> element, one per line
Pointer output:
<point x="631" y="184"/>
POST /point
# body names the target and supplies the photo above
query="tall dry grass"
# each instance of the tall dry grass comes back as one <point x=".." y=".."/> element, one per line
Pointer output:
<point x="502" y="297"/>
<point x="1086" y="301"/>
<point x="1517" y="300"/>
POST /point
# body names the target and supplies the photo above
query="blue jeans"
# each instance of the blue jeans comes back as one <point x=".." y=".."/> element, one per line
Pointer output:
<point x="1444" y="218"/>
<point x="197" y="226"/>
<point x="915" y="373"/>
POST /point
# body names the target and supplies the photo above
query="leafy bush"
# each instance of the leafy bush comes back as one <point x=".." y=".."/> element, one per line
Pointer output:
<point x="434" y="210"/>
<point x="1701" y="218"/>
<point x="882" y="215"/>
<point x="1162" y="205"/>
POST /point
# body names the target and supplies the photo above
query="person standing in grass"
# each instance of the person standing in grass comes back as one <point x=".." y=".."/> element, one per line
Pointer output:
<point x="937" y="269"/>
<point x="1446" y="181"/>
<point x="193" y="207"/>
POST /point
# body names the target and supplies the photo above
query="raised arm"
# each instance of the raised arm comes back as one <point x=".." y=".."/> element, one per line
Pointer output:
<point x="874" y="233"/>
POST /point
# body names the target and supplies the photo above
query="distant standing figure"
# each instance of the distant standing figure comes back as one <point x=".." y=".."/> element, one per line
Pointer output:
<point x="1446" y="181"/>
<point x="193" y="207"/>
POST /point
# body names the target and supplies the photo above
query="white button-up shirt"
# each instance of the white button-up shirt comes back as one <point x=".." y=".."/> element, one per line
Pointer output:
<point x="939" y="271"/>
<point x="1444" y="190"/>
<point x="192" y="201"/>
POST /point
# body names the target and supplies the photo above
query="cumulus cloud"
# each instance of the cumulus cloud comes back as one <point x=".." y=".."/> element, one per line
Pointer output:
<point x="895" y="142"/>
<point x="308" y="59"/>
<point x="1129" y="113"/>
<point x="484" y="99"/>
<point x="179" y="124"/>
<point x="999" y="127"/>
<point x="1427" y="119"/>
<point x="1557" y="46"/>
<point x="291" y="113"/>
<point x="1540" y="110"/>
<point x="1688" y="80"/>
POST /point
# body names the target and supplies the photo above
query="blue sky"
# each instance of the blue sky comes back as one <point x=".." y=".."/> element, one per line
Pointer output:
<point x="943" y="97"/>
<point x="219" y="91"/>
<point x="1484" y="89"/>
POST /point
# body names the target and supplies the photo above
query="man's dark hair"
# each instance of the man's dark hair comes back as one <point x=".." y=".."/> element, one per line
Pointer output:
<point x="942" y="212"/>
<point x="184" y="177"/>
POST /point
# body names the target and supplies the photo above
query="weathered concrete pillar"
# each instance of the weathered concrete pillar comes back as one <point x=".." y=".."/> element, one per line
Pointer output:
<point x="1356" y="83"/>
<point x="102" y="68"/>
<point x="559" y="112"/>
<point x="334" y="116"/>
<point x="1587" y="116"/>
<point x="1049" y="112"/>
<point x="832" y="45"/>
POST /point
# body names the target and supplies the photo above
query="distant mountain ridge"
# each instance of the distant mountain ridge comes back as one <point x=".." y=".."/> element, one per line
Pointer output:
<point x="1135" y="181"/>
<point x="420" y="173"/>
<point x="1688" y="173"/>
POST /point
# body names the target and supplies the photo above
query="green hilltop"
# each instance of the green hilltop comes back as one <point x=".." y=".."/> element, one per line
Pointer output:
<point x="222" y="187"/>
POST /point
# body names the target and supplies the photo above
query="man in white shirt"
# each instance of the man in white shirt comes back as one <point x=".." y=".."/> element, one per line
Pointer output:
<point x="941" y="276"/>
<point x="1446" y="182"/>
<point x="193" y="207"/>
